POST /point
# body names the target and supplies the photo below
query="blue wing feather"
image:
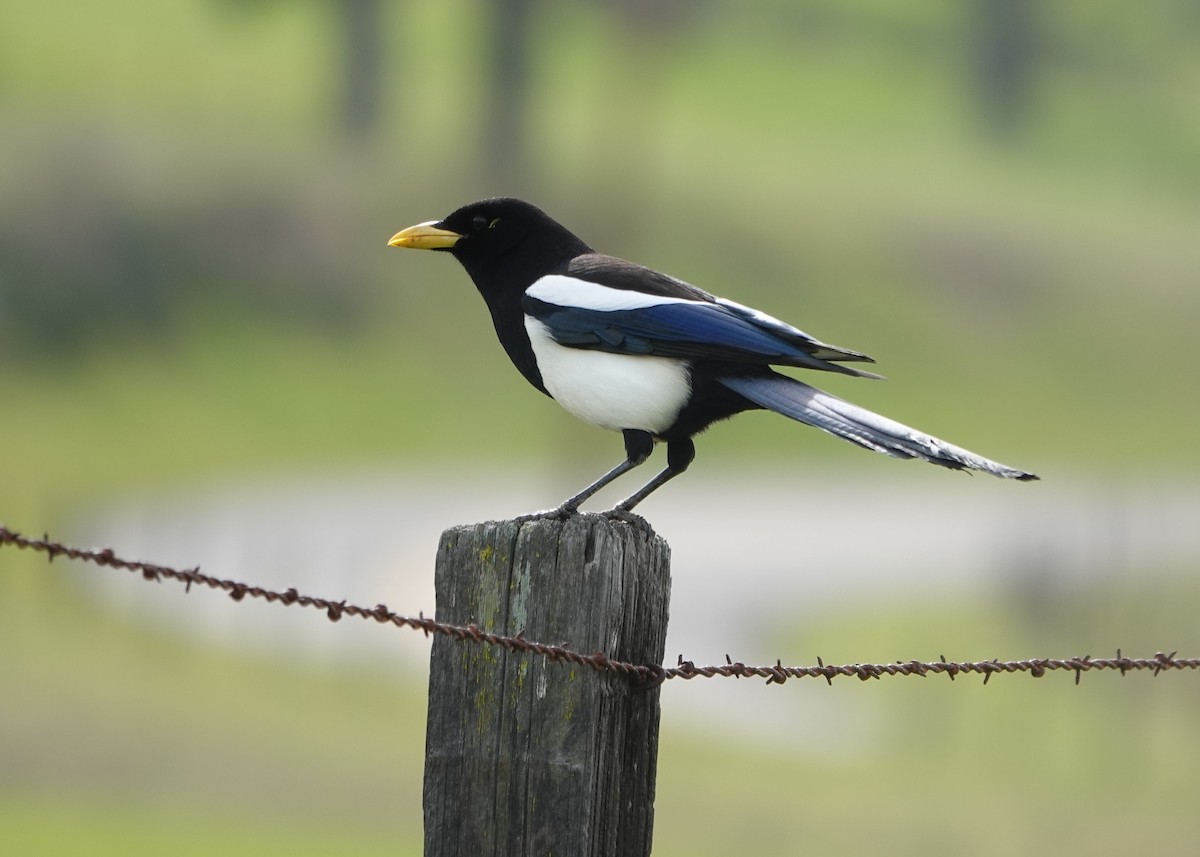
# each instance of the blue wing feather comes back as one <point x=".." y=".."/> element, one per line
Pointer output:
<point x="691" y="330"/>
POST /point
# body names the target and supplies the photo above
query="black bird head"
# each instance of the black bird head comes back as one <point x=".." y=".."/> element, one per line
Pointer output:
<point x="504" y="243"/>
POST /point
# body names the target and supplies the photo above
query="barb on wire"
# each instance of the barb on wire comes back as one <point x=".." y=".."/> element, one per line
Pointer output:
<point x="644" y="674"/>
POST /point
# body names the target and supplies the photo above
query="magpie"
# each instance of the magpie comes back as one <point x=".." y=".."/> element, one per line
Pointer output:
<point x="630" y="349"/>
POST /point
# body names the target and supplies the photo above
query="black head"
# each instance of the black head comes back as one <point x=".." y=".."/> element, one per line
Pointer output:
<point x="503" y="243"/>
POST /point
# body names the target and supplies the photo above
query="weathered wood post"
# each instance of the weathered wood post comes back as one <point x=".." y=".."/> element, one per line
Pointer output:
<point x="525" y="756"/>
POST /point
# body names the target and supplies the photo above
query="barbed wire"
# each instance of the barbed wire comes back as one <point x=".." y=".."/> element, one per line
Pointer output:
<point x="643" y="674"/>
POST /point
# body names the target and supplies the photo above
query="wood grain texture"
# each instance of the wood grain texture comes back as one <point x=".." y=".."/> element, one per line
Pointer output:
<point x="523" y="755"/>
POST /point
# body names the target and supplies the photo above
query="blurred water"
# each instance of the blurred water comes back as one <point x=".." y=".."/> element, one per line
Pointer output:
<point x="750" y="554"/>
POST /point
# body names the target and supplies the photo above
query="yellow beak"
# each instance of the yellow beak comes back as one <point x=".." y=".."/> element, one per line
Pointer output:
<point x="424" y="236"/>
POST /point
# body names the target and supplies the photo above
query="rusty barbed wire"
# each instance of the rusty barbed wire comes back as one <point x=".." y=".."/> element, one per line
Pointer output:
<point x="643" y="674"/>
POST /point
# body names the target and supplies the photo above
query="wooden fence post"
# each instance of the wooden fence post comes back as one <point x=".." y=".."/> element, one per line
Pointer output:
<point x="526" y="756"/>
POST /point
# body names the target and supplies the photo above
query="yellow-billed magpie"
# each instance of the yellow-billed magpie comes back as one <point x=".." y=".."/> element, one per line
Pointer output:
<point x="628" y="348"/>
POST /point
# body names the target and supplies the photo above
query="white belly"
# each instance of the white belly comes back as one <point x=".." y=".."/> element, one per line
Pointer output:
<point x="614" y="391"/>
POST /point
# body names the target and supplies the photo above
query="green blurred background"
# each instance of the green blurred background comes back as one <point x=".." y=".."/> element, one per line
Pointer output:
<point x="998" y="200"/>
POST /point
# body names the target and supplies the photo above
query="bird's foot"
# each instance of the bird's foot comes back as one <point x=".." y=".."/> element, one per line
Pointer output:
<point x="625" y="516"/>
<point x="562" y="513"/>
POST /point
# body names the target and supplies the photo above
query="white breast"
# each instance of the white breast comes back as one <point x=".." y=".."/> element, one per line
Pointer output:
<point x="614" y="391"/>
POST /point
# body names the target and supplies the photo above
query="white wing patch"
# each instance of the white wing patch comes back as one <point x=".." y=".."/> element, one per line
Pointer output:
<point x="565" y="291"/>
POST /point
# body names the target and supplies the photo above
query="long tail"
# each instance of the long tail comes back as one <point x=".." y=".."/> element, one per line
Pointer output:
<point x="817" y="408"/>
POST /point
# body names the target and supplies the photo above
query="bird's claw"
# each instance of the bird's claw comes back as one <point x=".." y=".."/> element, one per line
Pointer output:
<point x="562" y="513"/>
<point x="625" y="516"/>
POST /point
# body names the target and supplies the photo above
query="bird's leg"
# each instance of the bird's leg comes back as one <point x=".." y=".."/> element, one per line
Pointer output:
<point x="638" y="446"/>
<point x="680" y="454"/>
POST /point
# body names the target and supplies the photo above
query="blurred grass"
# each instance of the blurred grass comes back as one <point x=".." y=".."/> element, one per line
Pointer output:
<point x="140" y="737"/>
<point x="1033" y="299"/>
<point x="58" y="827"/>
<point x="155" y="739"/>
<point x="931" y="766"/>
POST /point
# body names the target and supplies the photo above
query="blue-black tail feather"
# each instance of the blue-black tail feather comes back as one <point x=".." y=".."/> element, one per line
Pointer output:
<point x="814" y="407"/>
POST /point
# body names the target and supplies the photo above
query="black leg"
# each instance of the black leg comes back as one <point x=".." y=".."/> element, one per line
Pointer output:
<point x="638" y="446"/>
<point x="680" y="454"/>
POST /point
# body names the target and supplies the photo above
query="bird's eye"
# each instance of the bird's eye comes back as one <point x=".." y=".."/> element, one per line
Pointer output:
<point x="480" y="223"/>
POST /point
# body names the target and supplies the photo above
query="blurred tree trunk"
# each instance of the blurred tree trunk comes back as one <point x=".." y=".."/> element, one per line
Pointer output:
<point x="628" y="119"/>
<point x="361" y="25"/>
<point x="362" y="29"/>
<point x="510" y="38"/>
<point x="1004" y="47"/>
